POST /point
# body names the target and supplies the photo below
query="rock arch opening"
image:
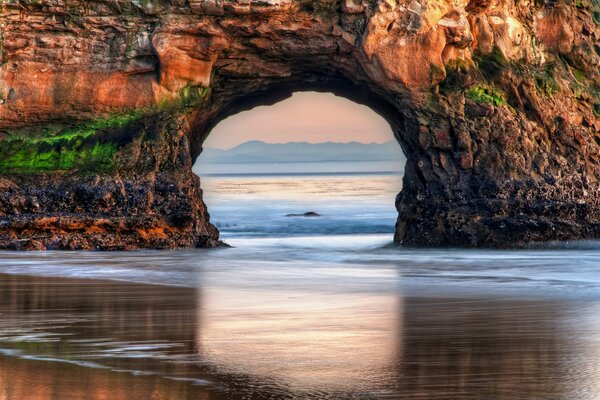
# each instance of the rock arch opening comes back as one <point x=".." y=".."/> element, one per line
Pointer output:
<point x="314" y="164"/>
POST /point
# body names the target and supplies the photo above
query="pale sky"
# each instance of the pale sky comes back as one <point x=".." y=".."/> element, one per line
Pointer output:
<point x="305" y="117"/>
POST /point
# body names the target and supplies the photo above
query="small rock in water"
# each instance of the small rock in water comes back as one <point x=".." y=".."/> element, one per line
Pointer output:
<point x="306" y="214"/>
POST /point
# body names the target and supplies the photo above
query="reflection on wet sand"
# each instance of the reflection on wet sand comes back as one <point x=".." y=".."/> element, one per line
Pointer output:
<point x="37" y="380"/>
<point x="64" y="339"/>
<point x="303" y="341"/>
<point x="483" y="349"/>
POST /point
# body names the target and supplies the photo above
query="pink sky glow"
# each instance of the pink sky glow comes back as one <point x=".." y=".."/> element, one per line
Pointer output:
<point x="305" y="117"/>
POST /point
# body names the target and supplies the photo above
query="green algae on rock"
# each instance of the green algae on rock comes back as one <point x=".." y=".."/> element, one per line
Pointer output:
<point x="143" y="201"/>
<point x="486" y="95"/>
<point x="83" y="146"/>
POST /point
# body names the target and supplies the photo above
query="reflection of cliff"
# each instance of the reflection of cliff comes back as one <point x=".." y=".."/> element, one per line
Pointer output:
<point x="485" y="349"/>
<point x="86" y="320"/>
<point x="31" y="380"/>
<point x="107" y="309"/>
<point x="354" y="344"/>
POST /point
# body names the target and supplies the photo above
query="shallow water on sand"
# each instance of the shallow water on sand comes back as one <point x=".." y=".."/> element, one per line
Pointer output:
<point x="87" y="339"/>
<point x="315" y="308"/>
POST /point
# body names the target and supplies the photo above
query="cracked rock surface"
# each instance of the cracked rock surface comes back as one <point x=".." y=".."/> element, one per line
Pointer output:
<point x="104" y="106"/>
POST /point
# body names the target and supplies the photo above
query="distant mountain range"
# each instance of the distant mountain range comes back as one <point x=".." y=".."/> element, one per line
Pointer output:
<point x="261" y="152"/>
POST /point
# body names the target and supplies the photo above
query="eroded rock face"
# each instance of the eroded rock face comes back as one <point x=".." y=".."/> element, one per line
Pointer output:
<point x="104" y="105"/>
<point x="154" y="204"/>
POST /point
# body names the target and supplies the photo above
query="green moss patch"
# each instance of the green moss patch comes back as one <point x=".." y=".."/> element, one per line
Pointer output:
<point x="545" y="80"/>
<point x="491" y="64"/>
<point x="579" y="75"/>
<point x="581" y="4"/>
<point x="188" y="97"/>
<point x="486" y="95"/>
<point x="87" y="146"/>
<point x="458" y="74"/>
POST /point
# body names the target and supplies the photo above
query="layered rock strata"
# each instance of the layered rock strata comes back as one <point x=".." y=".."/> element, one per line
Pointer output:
<point x="104" y="106"/>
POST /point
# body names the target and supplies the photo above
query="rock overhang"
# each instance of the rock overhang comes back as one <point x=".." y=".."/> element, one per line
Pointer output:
<point x="495" y="103"/>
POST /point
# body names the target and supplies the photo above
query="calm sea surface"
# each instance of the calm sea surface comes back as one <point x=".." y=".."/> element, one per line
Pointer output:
<point x="302" y="308"/>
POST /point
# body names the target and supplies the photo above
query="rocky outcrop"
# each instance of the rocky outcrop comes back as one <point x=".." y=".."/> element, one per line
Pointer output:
<point x="126" y="189"/>
<point x="105" y="105"/>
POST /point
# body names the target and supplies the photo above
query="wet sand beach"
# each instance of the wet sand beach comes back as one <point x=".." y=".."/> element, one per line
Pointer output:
<point x="92" y="339"/>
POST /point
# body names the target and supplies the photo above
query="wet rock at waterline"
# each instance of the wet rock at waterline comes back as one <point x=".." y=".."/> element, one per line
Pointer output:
<point x="104" y="107"/>
<point x="106" y="206"/>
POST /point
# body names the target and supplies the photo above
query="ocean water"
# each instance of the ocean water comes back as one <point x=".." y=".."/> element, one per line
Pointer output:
<point x="260" y="206"/>
<point x="302" y="307"/>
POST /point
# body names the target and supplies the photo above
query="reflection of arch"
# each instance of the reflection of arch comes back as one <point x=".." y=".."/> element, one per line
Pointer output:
<point x="431" y="346"/>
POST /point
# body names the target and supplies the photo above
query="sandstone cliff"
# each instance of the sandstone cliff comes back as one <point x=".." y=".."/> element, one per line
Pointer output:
<point x="104" y="105"/>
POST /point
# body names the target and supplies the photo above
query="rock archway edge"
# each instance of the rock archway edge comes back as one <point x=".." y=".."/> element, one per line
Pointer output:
<point x="154" y="200"/>
<point x="104" y="106"/>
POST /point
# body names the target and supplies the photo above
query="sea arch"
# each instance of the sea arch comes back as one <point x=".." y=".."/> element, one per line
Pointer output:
<point x="104" y="108"/>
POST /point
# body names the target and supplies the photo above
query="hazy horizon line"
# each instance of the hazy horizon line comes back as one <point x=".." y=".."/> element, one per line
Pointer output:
<point x="299" y="142"/>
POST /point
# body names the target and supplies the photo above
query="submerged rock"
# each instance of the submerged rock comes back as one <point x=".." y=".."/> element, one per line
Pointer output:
<point x="306" y="214"/>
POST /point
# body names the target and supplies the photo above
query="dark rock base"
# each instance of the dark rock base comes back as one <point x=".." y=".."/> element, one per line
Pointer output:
<point x="92" y="213"/>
